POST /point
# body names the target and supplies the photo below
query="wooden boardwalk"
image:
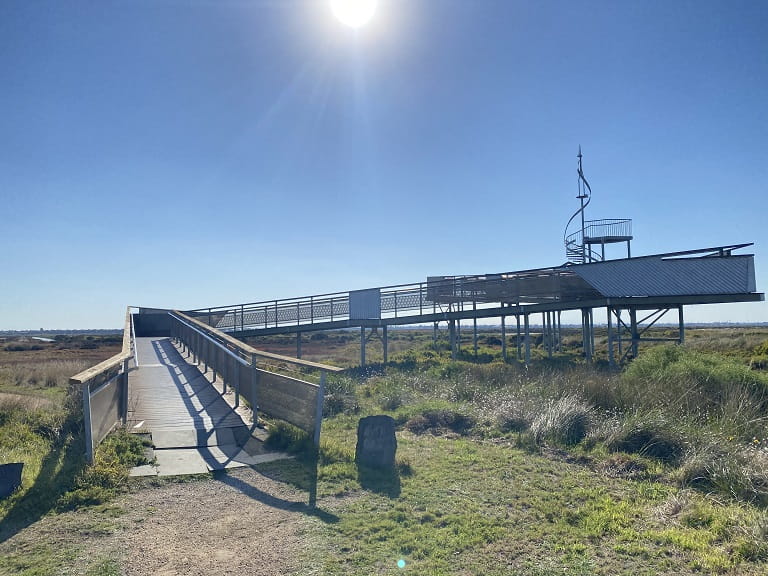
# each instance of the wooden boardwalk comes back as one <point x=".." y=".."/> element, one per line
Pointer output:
<point x="193" y="428"/>
<point x="167" y="393"/>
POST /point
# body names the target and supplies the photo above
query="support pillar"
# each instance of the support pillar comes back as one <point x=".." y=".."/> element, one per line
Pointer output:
<point x="633" y="328"/>
<point x="298" y="344"/>
<point x="434" y="335"/>
<point x="385" y="343"/>
<point x="517" y="340"/>
<point x="503" y="338"/>
<point x="586" y="334"/>
<point x="611" y="358"/>
<point x="362" y="346"/>
<point x="527" y="340"/>
<point x="474" y="336"/>
<point x="681" y="323"/>
<point x="452" y="333"/>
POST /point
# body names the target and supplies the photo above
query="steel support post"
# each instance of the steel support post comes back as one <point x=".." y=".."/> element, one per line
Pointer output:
<point x="681" y="324"/>
<point x="503" y="338"/>
<point x="362" y="345"/>
<point x="124" y="394"/>
<point x="237" y="383"/>
<point x="88" y="423"/>
<point x="452" y="333"/>
<point x="474" y="336"/>
<point x="434" y="335"/>
<point x="385" y="343"/>
<point x="611" y="358"/>
<point x="254" y="395"/>
<point x="635" y="334"/>
<point x="298" y="344"/>
<point x="517" y="340"/>
<point x="527" y="340"/>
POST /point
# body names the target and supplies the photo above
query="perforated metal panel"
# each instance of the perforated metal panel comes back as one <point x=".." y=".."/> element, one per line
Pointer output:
<point x="654" y="276"/>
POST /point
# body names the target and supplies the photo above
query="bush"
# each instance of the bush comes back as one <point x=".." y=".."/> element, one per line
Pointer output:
<point x="435" y="421"/>
<point x="288" y="438"/>
<point x="649" y="434"/>
<point x="695" y="382"/>
<point x="563" y="421"/>
<point x="108" y="474"/>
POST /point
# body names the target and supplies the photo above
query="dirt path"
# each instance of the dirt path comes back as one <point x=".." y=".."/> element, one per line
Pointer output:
<point x="236" y="523"/>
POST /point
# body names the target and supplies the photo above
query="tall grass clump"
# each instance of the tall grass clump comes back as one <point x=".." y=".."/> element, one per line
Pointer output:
<point x="562" y="421"/>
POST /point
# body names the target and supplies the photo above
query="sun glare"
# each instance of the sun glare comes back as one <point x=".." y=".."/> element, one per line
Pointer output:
<point x="354" y="13"/>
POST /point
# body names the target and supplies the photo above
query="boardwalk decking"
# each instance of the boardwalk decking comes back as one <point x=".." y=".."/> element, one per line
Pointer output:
<point x="193" y="428"/>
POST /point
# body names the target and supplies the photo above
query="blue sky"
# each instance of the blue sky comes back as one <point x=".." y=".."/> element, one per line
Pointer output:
<point x="201" y="153"/>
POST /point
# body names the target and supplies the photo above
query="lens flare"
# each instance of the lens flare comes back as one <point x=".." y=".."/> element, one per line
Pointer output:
<point x="401" y="563"/>
<point x="354" y="13"/>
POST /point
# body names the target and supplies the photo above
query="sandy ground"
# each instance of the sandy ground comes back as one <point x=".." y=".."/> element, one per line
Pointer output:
<point x="236" y="523"/>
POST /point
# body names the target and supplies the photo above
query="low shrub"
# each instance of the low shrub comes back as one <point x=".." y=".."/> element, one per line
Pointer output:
<point x="108" y="474"/>
<point x="648" y="434"/>
<point x="436" y="421"/>
<point x="288" y="438"/>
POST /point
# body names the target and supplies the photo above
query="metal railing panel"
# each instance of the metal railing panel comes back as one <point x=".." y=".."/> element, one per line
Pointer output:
<point x="104" y="389"/>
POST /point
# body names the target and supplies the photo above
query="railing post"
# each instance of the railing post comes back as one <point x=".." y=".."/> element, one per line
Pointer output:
<point x="237" y="383"/>
<point x="124" y="393"/>
<point x="254" y="395"/>
<point x="86" y="389"/>
<point x="319" y="408"/>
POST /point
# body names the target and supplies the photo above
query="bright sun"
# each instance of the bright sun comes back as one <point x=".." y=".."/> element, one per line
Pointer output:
<point x="354" y="13"/>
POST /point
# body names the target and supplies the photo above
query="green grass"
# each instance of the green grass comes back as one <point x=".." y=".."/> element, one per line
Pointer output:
<point x="551" y="471"/>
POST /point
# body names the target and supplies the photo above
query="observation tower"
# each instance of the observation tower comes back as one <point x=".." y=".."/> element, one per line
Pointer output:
<point x="581" y="245"/>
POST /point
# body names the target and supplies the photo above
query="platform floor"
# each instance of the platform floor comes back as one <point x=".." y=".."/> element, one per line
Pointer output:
<point x="193" y="427"/>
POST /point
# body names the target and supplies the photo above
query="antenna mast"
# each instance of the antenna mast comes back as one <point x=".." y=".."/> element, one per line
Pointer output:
<point x="584" y="192"/>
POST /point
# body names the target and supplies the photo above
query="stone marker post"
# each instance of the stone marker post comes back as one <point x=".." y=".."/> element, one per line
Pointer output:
<point x="376" y="442"/>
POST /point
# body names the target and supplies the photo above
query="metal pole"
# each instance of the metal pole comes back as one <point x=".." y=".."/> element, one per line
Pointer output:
<point x="503" y="338"/>
<point x="237" y="384"/>
<point x="474" y="334"/>
<point x="681" y="324"/>
<point x="89" y="448"/>
<point x="611" y="358"/>
<point x="298" y="344"/>
<point x="635" y="335"/>
<point x="527" y="340"/>
<point x="517" y="341"/>
<point x="254" y="395"/>
<point x="362" y="345"/>
<point x="385" y="344"/>
<point x="452" y="332"/>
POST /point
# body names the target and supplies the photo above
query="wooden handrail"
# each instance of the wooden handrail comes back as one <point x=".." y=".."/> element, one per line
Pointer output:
<point x="239" y="344"/>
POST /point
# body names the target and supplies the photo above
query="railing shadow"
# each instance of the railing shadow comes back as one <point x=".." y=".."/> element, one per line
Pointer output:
<point x="273" y="501"/>
<point x="58" y="472"/>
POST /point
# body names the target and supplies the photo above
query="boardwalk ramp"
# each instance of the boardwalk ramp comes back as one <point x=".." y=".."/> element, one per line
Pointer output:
<point x="192" y="425"/>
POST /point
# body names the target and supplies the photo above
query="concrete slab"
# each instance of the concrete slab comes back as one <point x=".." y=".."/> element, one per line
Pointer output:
<point x="181" y="462"/>
<point x="143" y="471"/>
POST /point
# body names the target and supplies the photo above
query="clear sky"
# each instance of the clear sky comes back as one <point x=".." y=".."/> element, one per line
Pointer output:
<point x="198" y="153"/>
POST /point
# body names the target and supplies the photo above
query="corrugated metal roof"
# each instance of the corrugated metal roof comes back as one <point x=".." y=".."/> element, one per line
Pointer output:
<point x="656" y="276"/>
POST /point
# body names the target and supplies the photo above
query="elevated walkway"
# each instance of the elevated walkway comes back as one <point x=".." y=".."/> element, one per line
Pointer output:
<point x="192" y="425"/>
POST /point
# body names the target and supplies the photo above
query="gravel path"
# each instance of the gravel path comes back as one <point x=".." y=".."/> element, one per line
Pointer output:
<point x="240" y="523"/>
